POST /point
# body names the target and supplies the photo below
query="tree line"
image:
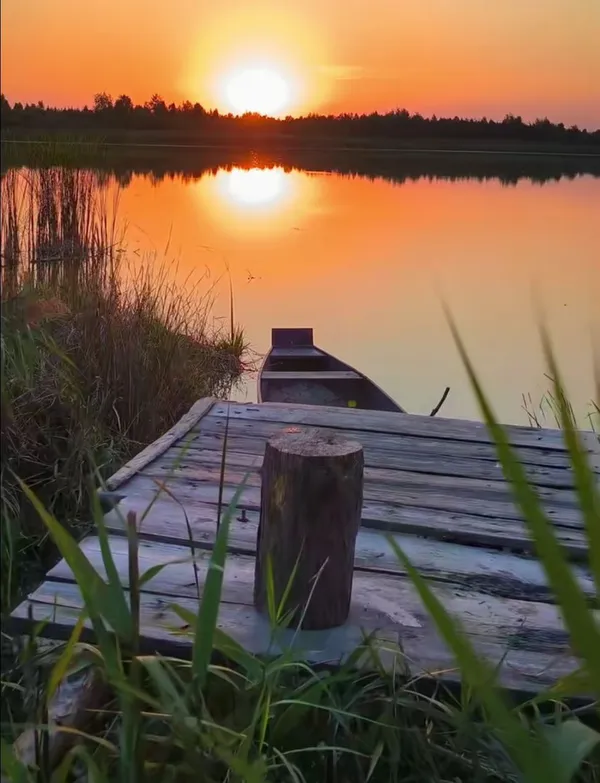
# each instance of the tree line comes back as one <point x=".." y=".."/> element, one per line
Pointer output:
<point x="122" y="114"/>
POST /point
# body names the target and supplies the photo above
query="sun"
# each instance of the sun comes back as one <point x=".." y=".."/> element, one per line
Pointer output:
<point x="260" y="90"/>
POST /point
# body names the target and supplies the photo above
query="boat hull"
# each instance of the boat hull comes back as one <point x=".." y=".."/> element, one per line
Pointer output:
<point x="295" y="371"/>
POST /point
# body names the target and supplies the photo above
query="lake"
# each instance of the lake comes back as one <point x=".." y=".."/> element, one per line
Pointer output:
<point x="368" y="262"/>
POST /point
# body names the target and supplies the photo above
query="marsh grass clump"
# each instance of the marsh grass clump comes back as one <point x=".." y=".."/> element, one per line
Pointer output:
<point x="97" y="360"/>
<point x="56" y="220"/>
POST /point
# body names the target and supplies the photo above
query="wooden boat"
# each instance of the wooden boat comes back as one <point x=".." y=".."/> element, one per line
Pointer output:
<point x="297" y="371"/>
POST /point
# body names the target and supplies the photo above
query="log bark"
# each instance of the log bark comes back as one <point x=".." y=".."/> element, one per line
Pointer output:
<point x="311" y="502"/>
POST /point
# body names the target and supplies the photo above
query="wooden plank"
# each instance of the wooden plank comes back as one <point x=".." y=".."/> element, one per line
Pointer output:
<point x="400" y="459"/>
<point x="460" y="527"/>
<point x="304" y="375"/>
<point x="159" y="446"/>
<point x="202" y="464"/>
<point x="529" y="634"/>
<point x="381" y="421"/>
<point x="406" y="490"/>
<point x="591" y="442"/>
<point x="389" y="443"/>
<point x="494" y="573"/>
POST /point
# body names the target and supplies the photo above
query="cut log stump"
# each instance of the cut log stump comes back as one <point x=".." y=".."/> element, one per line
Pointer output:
<point x="311" y="503"/>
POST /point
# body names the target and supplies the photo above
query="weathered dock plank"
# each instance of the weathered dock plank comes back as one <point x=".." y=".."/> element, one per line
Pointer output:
<point x="487" y="499"/>
<point x="432" y="447"/>
<point x="434" y="484"/>
<point x="379" y="421"/>
<point x="411" y="517"/>
<point x="525" y="635"/>
<point x="503" y="574"/>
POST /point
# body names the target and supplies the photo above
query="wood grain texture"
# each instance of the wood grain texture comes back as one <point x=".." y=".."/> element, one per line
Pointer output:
<point x="500" y="574"/>
<point x="311" y="501"/>
<point x="529" y="634"/>
<point x="497" y="488"/>
<point x="389" y="442"/>
<point x="402" y="457"/>
<point x="159" y="446"/>
<point x="591" y="442"/>
<point x="485" y="498"/>
<point x="380" y="421"/>
<point x="458" y="526"/>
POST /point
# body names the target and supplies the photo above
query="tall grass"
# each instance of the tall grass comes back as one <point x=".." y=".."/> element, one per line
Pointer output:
<point x="95" y="363"/>
<point x="238" y="717"/>
<point x="56" y="221"/>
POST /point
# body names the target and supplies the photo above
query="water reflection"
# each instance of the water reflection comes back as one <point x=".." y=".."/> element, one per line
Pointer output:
<point x="254" y="187"/>
<point x="367" y="261"/>
<point x="255" y="200"/>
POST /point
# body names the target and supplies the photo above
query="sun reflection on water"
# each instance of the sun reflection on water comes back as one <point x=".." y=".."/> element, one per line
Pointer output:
<point x="254" y="187"/>
<point x="257" y="200"/>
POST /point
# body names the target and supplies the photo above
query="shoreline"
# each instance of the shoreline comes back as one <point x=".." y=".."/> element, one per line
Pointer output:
<point x="279" y="145"/>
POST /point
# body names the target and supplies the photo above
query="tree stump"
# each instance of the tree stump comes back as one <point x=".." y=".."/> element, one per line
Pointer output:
<point x="311" y="503"/>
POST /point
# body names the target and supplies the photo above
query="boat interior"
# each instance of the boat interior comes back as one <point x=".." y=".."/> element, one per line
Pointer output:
<point x="296" y="371"/>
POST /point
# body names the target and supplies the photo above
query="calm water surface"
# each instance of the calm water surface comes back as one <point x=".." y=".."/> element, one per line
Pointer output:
<point x="368" y="263"/>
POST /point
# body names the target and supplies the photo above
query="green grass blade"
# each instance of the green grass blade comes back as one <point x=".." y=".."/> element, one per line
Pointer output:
<point x="94" y="590"/>
<point x="60" y="668"/>
<point x="527" y="753"/>
<point x="270" y="587"/>
<point x="206" y="619"/>
<point x="571" y="743"/>
<point x="82" y="754"/>
<point x="286" y="592"/>
<point x="153" y="571"/>
<point x="579" y="619"/>
<point x="15" y="770"/>
<point x="115" y="588"/>
<point x="227" y="646"/>
<point x="586" y="483"/>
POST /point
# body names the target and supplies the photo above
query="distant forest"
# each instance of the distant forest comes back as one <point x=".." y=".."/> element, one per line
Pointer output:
<point x="121" y="118"/>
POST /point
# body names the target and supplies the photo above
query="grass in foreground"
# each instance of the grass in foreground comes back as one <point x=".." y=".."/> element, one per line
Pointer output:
<point x="240" y="718"/>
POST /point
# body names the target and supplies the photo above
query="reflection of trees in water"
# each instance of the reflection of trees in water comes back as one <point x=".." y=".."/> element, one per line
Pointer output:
<point x="398" y="169"/>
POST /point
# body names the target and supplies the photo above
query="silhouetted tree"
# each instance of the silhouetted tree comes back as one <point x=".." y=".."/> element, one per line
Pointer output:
<point x="157" y="105"/>
<point x="192" y="122"/>
<point x="124" y="104"/>
<point x="102" y="102"/>
<point x="5" y="109"/>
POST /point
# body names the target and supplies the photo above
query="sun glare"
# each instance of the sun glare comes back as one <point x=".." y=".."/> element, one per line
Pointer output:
<point x="257" y="90"/>
<point x="255" y="186"/>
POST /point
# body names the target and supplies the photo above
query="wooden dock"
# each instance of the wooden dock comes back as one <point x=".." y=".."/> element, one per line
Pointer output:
<point x="434" y="483"/>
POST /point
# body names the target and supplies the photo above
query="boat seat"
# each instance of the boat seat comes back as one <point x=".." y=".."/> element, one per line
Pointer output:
<point x="313" y="375"/>
<point x="300" y="352"/>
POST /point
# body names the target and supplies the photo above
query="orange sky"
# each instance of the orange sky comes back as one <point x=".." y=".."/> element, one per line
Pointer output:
<point x="466" y="57"/>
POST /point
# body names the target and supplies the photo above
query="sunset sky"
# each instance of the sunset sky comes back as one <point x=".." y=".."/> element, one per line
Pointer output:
<point x="465" y="57"/>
